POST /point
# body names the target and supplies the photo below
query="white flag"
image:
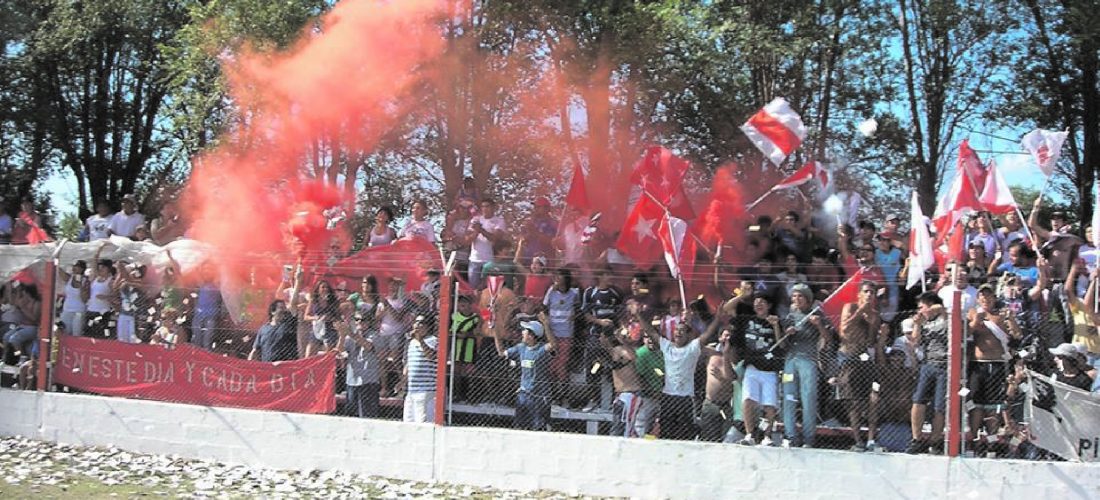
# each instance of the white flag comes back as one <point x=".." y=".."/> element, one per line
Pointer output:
<point x="1045" y="146"/>
<point x="1063" y="420"/>
<point x="921" y="256"/>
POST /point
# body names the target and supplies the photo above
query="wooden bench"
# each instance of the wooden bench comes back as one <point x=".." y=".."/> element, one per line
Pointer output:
<point x="591" y="419"/>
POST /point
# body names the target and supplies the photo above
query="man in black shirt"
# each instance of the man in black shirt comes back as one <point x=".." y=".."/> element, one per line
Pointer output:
<point x="277" y="340"/>
<point x="602" y="306"/>
<point x="755" y="343"/>
<point x="929" y="333"/>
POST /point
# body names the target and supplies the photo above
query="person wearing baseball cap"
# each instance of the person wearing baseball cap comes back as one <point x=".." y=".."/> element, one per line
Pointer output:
<point x="533" y="354"/>
<point x="1071" y="368"/>
<point x="891" y="230"/>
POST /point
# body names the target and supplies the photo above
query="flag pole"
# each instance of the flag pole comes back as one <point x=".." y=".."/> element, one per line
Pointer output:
<point x="687" y="232"/>
<point x="676" y="256"/>
<point x="816" y="308"/>
<point x="758" y="200"/>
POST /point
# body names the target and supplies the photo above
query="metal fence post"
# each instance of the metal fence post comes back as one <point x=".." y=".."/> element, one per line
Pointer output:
<point x="45" y="323"/>
<point x="954" y="377"/>
<point x="443" y="351"/>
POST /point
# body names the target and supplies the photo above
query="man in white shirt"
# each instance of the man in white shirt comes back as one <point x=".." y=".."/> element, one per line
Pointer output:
<point x="961" y="282"/>
<point x="419" y="226"/>
<point x="681" y="358"/>
<point x="126" y="222"/>
<point x="99" y="224"/>
<point x="485" y="229"/>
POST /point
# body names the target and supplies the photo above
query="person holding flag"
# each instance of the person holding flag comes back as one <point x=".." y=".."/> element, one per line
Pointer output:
<point x="804" y="327"/>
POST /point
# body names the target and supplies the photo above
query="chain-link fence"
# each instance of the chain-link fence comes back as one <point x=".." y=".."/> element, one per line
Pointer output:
<point x="859" y="374"/>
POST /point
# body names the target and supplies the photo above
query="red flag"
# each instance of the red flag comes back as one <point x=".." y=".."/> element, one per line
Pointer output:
<point x="578" y="194"/>
<point x="639" y="238"/>
<point x="996" y="197"/>
<point x="661" y="174"/>
<point x="409" y="260"/>
<point x="970" y="165"/>
<point x="846" y="293"/>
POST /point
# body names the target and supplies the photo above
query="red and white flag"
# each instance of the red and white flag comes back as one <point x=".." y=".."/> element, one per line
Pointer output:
<point x="578" y="193"/>
<point x="846" y="293"/>
<point x="996" y="197"/>
<point x="970" y="165"/>
<point x="960" y="200"/>
<point x="639" y="237"/>
<point x="776" y="130"/>
<point x="1045" y="146"/>
<point x="660" y="174"/>
<point x="921" y="255"/>
<point x="679" y="248"/>
<point x="808" y="172"/>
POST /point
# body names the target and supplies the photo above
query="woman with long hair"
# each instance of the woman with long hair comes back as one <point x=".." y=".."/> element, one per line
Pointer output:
<point x="322" y="311"/>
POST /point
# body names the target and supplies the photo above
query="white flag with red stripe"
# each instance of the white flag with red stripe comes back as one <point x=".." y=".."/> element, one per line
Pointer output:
<point x="678" y="248"/>
<point x="776" y="130"/>
<point x="1045" y="146"/>
<point x="921" y="256"/>
<point x="996" y="197"/>
<point x="810" y="171"/>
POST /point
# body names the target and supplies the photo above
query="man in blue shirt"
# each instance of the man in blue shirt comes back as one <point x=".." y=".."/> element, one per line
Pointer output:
<point x="535" y="377"/>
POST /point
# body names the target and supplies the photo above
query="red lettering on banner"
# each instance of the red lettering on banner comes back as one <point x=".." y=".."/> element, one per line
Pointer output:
<point x="149" y="372"/>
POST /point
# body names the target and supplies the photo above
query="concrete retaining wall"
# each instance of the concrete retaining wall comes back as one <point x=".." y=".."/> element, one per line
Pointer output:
<point x="500" y="458"/>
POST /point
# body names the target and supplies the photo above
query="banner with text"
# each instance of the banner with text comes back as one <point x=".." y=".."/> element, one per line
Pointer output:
<point x="1063" y="420"/>
<point x="186" y="374"/>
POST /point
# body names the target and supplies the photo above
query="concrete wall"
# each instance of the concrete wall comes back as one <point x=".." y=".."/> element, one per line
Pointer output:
<point x="500" y="458"/>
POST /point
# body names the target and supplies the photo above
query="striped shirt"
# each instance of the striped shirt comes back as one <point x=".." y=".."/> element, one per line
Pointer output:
<point x="420" y="366"/>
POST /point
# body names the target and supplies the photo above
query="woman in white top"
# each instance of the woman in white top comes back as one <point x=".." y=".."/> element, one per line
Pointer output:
<point x="76" y="292"/>
<point x="101" y="294"/>
<point x="382" y="233"/>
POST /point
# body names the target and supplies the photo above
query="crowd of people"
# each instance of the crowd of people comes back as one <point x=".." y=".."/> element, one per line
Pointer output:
<point x="551" y="314"/>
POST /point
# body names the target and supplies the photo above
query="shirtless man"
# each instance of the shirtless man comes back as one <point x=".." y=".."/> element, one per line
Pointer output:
<point x="628" y="386"/>
<point x="859" y="322"/>
<point x="716" y="414"/>
<point x="990" y="329"/>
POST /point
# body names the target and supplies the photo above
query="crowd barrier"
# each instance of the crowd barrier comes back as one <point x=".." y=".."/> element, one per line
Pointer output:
<point x="379" y="357"/>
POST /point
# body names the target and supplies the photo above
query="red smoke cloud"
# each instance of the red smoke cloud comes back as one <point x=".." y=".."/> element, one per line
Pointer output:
<point x="343" y="83"/>
<point x="723" y="218"/>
